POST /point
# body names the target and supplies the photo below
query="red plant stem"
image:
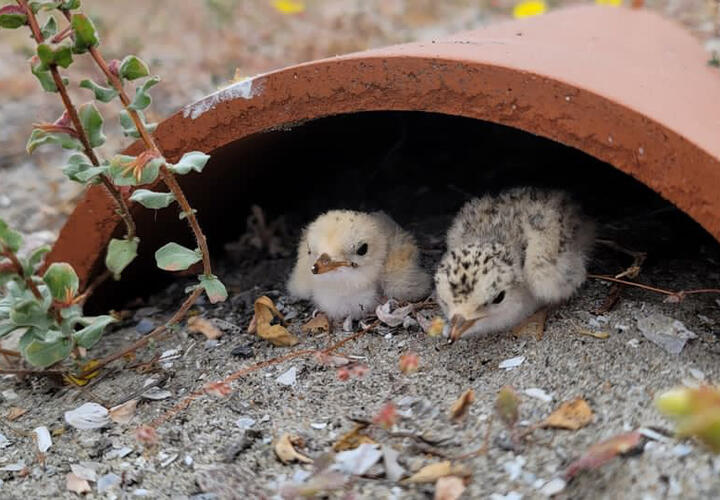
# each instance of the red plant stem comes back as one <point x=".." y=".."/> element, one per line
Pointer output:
<point x="652" y="288"/>
<point x="10" y="255"/>
<point x="167" y="176"/>
<point x="72" y="112"/>
<point x="176" y="318"/>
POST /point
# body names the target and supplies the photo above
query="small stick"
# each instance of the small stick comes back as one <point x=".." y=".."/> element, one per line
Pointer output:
<point x="652" y="288"/>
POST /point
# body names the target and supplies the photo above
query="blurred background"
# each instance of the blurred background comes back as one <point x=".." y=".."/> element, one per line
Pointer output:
<point x="198" y="46"/>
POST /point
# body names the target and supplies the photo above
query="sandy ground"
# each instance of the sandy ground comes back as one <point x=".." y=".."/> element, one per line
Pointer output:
<point x="209" y="449"/>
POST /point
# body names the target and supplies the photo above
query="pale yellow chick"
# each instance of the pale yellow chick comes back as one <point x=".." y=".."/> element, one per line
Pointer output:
<point x="348" y="260"/>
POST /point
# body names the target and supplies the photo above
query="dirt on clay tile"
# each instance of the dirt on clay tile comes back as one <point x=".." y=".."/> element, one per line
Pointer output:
<point x="222" y="447"/>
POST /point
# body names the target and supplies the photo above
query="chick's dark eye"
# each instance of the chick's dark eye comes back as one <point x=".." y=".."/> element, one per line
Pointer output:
<point x="499" y="298"/>
<point x="362" y="249"/>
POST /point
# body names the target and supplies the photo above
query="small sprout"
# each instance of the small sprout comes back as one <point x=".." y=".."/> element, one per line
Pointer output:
<point x="146" y="435"/>
<point x="120" y="253"/>
<point x="50" y="27"/>
<point x="135" y="170"/>
<point x="387" y="416"/>
<point x="409" y="363"/>
<point x="507" y="406"/>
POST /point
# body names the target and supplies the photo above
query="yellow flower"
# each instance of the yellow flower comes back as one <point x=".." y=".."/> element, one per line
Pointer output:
<point x="613" y="3"/>
<point x="289" y="7"/>
<point x="529" y="8"/>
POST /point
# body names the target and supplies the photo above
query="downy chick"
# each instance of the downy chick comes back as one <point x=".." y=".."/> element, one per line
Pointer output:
<point x="347" y="260"/>
<point x="508" y="256"/>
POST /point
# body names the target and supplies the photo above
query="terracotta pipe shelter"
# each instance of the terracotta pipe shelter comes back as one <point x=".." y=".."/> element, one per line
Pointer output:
<point x="627" y="87"/>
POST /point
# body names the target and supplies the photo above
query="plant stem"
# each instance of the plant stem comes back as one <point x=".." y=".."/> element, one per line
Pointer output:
<point x="123" y="210"/>
<point x="167" y="176"/>
<point x="652" y="288"/>
<point x="176" y="318"/>
<point x="10" y="255"/>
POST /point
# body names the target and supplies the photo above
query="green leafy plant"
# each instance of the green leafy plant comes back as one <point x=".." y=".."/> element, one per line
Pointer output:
<point x="45" y="302"/>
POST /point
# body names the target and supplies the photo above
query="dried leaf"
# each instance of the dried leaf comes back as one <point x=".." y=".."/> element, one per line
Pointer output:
<point x="433" y="472"/>
<point x="201" y="325"/>
<point x="75" y="484"/>
<point x="409" y="363"/>
<point x="83" y="380"/>
<point x="15" y="412"/>
<point x="601" y="453"/>
<point x="123" y="413"/>
<point x="285" y="450"/>
<point x="460" y="408"/>
<point x="571" y="415"/>
<point x="507" y="405"/>
<point x="318" y="324"/>
<point x="353" y="439"/>
<point x="449" y="488"/>
<point x="265" y="312"/>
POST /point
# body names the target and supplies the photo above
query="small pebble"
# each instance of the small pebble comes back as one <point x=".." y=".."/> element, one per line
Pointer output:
<point x="144" y="326"/>
<point x="243" y="351"/>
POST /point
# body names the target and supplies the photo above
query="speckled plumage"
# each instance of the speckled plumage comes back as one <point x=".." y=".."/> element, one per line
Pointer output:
<point x="509" y="255"/>
<point x="389" y="268"/>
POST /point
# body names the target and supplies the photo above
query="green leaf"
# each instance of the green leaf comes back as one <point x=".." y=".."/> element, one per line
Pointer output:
<point x="194" y="160"/>
<point x="39" y="137"/>
<point x="86" y="35"/>
<point x="9" y="239"/>
<point x="31" y="313"/>
<point x="35" y="259"/>
<point x="70" y="4"/>
<point x="38" y="5"/>
<point x="128" y="125"/>
<point x="174" y="257"/>
<point x="12" y="16"/>
<point x="120" y="253"/>
<point x="62" y="55"/>
<point x="151" y="199"/>
<point x="132" y="67"/>
<point x="214" y="288"/>
<point x="92" y="122"/>
<point x="50" y="27"/>
<point x="79" y="169"/>
<point x="62" y="281"/>
<point x="102" y="94"/>
<point x="123" y="173"/>
<point x="43" y="75"/>
<point x="88" y="336"/>
<point x="7" y="327"/>
<point x="48" y="352"/>
<point x="142" y="99"/>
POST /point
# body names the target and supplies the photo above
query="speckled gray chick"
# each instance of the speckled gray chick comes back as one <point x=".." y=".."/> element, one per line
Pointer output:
<point x="508" y="256"/>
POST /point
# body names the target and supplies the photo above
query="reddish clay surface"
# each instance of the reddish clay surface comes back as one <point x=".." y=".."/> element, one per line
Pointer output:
<point x="627" y="87"/>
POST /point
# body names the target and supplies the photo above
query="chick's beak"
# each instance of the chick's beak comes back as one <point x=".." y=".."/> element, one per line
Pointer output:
<point x="325" y="264"/>
<point x="459" y="325"/>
